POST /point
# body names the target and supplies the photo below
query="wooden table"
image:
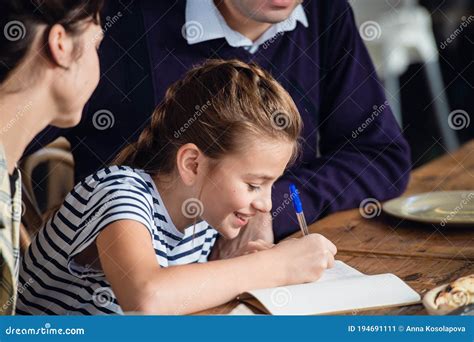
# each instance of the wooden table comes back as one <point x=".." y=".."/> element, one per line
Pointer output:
<point x="423" y="255"/>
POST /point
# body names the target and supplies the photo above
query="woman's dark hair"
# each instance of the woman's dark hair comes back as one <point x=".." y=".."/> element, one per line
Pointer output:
<point x="19" y="20"/>
<point x="218" y="106"/>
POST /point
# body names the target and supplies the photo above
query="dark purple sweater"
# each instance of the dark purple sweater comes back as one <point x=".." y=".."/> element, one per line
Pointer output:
<point x="353" y="148"/>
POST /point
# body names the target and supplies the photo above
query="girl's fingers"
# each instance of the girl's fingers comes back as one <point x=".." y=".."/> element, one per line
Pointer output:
<point x="330" y="260"/>
<point x="331" y="247"/>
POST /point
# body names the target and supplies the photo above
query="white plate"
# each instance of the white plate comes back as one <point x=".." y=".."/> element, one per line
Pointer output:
<point x="439" y="207"/>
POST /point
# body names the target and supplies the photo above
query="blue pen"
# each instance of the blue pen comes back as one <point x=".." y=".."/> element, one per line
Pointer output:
<point x="299" y="209"/>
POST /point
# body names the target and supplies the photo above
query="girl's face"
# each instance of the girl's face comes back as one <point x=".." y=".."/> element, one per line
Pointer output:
<point x="240" y="185"/>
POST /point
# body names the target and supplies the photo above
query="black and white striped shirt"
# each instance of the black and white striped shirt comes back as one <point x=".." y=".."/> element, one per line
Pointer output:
<point x="52" y="282"/>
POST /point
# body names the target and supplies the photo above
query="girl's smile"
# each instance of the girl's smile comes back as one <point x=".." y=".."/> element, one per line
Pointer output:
<point x="242" y="219"/>
<point x="228" y="195"/>
<point x="232" y="194"/>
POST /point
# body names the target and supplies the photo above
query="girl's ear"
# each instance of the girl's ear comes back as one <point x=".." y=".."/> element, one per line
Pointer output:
<point x="188" y="158"/>
<point x="61" y="46"/>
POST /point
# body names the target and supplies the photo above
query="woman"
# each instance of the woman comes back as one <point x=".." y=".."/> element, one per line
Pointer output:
<point x="48" y="69"/>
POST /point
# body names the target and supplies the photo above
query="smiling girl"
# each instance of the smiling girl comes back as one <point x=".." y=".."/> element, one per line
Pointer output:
<point x="136" y="236"/>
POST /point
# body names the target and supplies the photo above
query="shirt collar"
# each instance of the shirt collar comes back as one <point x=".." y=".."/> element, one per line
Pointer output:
<point x="204" y="22"/>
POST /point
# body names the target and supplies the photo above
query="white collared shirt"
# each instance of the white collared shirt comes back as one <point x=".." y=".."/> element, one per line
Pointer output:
<point x="204" y="22"/>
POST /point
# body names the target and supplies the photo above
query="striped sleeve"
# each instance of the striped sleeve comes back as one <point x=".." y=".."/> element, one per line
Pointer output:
<point x="123" y="197"/>
<point x="209" y="242"/>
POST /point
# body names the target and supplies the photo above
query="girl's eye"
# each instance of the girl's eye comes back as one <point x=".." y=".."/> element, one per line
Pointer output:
<point x="253" y="187"/>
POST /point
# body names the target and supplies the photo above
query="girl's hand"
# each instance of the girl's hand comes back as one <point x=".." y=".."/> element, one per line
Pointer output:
<point x="254" y="246"/>
<point x="303" y="260"/>
<point x="258" y="228"/>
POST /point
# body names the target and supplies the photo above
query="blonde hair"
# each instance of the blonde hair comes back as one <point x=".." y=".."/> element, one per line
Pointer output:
<point x="218" y="106"/>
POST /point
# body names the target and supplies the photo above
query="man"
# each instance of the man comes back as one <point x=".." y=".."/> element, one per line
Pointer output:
<point x="352" y="148"/>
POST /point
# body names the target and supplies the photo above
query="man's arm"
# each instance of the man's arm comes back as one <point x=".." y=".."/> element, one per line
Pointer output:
<point x="363" y="154"/>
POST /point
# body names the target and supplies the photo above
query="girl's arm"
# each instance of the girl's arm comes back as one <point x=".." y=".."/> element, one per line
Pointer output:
<point x="130" y="265"/>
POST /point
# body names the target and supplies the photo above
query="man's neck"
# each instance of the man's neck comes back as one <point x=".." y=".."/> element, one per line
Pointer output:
<point x="246" y="26"/>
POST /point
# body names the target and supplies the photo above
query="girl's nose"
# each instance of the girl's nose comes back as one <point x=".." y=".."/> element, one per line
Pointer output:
<point x="263" y="204"/>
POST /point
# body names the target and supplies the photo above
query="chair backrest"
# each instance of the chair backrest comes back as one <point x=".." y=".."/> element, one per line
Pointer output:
<point x="59" y="180"/>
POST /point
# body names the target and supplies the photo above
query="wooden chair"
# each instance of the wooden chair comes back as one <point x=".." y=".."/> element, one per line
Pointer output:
<point x="59" y="180"/>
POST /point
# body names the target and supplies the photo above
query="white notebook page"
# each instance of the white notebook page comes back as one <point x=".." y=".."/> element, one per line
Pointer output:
<point x="340" y="289"/>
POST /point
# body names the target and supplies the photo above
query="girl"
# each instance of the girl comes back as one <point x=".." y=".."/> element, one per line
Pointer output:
<point x="48" y="69"/>
<point x="137" y="237"/>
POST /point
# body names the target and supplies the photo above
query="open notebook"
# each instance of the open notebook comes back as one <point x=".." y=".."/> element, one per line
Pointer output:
<point x="340" y="289"/>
